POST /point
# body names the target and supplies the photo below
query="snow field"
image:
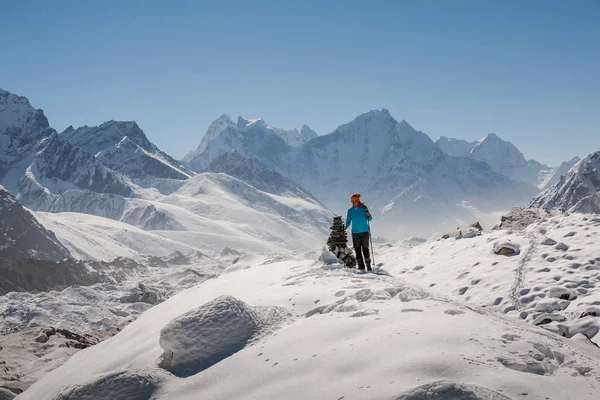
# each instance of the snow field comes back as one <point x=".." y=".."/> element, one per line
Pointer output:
<point x="350" y="335"/>
<point x="551" y="283"/>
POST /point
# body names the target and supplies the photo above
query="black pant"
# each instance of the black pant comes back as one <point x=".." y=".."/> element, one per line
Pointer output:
<point x="361" y="247"/>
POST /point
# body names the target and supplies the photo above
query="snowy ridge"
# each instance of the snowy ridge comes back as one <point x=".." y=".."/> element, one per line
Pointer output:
<point x="557" y="172"/>
<point x="38" y="166"/>
<point x="506" y="159"/>
<point x="224" y="135"/>
<point x="455" y="147"/>
<point x="214" y="130"/>
<point x="578" y="189"/>
<point x="255" y="174"/>
<point x="207" y="213"/>
<point x="251" y="138"/>
<point x="123" y="147"/>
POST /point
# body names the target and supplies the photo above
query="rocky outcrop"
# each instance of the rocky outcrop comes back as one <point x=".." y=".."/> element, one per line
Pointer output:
<point x="22" y="236"/>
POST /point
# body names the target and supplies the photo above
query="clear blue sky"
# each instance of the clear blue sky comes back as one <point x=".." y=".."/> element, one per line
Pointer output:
<point x="526" y="70"/>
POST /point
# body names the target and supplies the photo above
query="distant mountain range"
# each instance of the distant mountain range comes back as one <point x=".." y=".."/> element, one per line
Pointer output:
<point x="414" y="186"/>
<point x="505" y="158"/>
<point x="114" y="171"/>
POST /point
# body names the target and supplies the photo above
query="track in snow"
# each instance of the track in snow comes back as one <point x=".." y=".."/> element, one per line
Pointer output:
<point x="521" y="270"/>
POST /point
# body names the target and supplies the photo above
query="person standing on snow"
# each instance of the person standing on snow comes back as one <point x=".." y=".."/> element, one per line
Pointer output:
<point x="359" y="216"/>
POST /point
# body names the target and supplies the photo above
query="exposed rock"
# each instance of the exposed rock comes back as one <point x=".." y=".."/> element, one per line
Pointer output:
<point x="548" y="242"/>
<point x="506" y="248"/>
<point x="24" y="360"/>
<point x="520" y="218"/>
<point x="22" y="236"/>
<point x="142" y="294"/>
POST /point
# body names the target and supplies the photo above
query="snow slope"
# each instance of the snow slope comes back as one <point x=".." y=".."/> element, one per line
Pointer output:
<point x="90" y="237"/>
<point x="123" y="147"/>
<point x="255" y="174"/>
<point x="207" y="213"/>
<point x="559" y="257"/>
<point x="304" y="329"/>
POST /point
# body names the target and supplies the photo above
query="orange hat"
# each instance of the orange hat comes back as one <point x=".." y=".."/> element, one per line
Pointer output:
<point x="355" y="197"/>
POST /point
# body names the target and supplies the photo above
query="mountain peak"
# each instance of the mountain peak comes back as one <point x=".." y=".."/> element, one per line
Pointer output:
<point x="16" y="112"/>
<point x="244" y="123"/>
<point x="307" y="134"/>
<point x="492" y="137"/>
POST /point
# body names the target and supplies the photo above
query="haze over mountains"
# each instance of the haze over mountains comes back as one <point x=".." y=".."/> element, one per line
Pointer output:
<point x="415" y="186"/>
<point x="113" y="171"/>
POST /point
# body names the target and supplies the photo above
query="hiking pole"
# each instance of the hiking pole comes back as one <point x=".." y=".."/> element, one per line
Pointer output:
<point x="371" y="240"/>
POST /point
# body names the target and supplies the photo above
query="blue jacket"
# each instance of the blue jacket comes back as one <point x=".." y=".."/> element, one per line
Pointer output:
<point x="357" y="216"/>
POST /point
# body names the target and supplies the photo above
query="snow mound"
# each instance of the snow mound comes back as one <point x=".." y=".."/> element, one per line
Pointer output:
<point x="126" y="385"/>
<point x="329" y="259"/>
<point x="451" y="390"/>
<point x="506" y="248"/>
<point x="206" y="335"/>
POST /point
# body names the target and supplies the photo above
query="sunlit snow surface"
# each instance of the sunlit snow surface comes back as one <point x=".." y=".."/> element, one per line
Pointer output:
<point x="441" y="319"/>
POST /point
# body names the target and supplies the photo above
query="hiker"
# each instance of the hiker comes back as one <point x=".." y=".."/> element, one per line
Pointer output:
<point x="359" y="216"/>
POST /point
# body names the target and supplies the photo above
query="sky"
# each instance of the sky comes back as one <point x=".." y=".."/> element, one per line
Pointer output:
<point x="525" y="70"/>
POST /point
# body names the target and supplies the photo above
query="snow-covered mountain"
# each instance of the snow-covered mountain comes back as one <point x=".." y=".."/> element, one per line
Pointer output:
<point x="253" y="139"/>
<point x="557" y="172"/>
<point x="455" y="147"/>
<point x="242" y="128"/>
<point x="22" y="236"/>
<point x="207" y="213"/>
<point x="214" y="130"/>
<point x="113" y="171"/>
<point x="38" y="166"/>
<point x="123" y="147"/>
<point x="296" y="137"/>
<point x="578" y="190"/>
<point x="404" y="176"/>
<point x="256" y="174"/>
<point x="501" y="155"/>
<point x="504" y="157"/>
